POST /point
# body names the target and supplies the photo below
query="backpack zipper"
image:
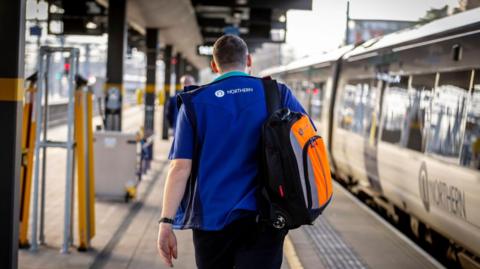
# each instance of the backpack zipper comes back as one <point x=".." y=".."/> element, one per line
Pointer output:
<point x="305" y="172"/>
<point x="323" y="172"/>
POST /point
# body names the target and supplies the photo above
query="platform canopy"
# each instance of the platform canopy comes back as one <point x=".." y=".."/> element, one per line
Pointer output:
<point x="186" y="24"/>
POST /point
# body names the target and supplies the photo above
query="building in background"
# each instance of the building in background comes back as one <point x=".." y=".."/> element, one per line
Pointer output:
<point x="468" y="4"/>
<point x="363" y="30"/>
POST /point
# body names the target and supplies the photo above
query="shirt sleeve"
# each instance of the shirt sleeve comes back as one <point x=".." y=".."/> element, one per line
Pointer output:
<point x="182" y="145"/>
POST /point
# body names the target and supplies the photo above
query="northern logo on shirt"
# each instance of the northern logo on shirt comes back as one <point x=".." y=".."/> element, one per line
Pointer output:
<point x="219" y="93"/>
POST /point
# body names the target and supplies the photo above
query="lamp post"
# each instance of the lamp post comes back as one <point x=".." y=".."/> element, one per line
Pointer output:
<point x="347" y="24"/>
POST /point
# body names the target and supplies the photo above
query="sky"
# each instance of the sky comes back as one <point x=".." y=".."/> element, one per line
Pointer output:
<point x="323" y="28"/>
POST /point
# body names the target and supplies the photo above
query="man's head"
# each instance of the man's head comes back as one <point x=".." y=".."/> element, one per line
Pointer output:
<point x="187" y="80"/>
<point x="230" y="53"/>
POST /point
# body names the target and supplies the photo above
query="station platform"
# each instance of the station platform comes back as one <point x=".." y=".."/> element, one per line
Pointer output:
<point x="348" y="235"/>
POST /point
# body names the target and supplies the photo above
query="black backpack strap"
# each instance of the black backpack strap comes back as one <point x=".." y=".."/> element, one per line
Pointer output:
<point x="272" y="95"/>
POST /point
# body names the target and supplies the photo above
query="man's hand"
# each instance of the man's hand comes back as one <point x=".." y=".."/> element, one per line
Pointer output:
<point x="166" y="243"/>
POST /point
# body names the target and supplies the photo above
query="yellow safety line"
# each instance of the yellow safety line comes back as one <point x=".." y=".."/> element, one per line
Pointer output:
<point x="11" y="89"/>
<point x="291" y="255"/>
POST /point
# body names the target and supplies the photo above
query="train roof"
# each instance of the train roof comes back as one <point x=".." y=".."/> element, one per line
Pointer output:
<point x="436" y="27"/>
<point x="308" y="61"/>
<point x="439" y="26"/>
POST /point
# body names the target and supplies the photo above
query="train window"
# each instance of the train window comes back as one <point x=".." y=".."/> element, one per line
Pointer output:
<point x="316" y="101"/>
<point x="447" y="113"/>
<point x="420" y="96"/>
<point x="347" y="105"/>
<point x="470" y="156"/>
<point x="305" y="95"/>
<point x="358" y="106"/>
<point x="395" y="105"/>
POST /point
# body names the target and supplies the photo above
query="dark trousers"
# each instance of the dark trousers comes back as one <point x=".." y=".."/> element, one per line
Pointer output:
<point x="241" y="245"/>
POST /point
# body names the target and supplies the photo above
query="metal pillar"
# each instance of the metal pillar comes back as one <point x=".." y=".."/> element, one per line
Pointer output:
<point x="195" y="74"/>
<point x="117" y="44"/>
<point x="178" y="72"/>
<point x="167" y="58"/>
<point x="152" y="54"/>
<point x="12" y="27"/>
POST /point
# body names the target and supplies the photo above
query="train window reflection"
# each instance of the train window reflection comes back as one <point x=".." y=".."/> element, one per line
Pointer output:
<point x="420" y="97"/>
<point x="347" y="106"/>
<point x="447" y="112"/>
<point x="396" y="102"/>
<point x="357" y="106"/>
<point x="470" y="156"/>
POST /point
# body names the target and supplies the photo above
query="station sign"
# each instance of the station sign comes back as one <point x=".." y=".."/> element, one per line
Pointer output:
<point x="205" y="50"/>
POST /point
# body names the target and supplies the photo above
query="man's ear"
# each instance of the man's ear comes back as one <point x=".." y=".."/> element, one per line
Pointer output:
<point x="249" y="60"/>
<point x="214" y="67"/>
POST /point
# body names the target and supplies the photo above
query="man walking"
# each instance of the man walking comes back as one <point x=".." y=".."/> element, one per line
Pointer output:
<point x="172" y="111"/>
<point x="211" y="185"/>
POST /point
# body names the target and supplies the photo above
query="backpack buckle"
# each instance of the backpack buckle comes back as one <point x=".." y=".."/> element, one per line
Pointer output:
<point x="279" y="222"/>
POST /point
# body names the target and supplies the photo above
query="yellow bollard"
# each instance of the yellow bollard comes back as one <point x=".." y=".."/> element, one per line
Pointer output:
<point x="28" y="142"/>
<point x="161" y="97"/>
<point x="85" y="168"/>
<point x="81" y="169"/>
<point x="91" y="174"/>
<point x="139" y="94"/>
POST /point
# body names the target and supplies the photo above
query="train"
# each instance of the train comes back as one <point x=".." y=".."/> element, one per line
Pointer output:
<point x="401" y="118"/>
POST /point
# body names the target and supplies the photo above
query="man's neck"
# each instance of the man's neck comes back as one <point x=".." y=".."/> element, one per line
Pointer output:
<point x="232" y="70"/>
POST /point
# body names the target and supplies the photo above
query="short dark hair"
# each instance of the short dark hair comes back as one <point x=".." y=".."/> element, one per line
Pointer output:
<point x="230" y="51"/>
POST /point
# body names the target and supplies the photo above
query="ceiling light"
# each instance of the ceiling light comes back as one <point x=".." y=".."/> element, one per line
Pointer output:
<point x="91" y="25"/>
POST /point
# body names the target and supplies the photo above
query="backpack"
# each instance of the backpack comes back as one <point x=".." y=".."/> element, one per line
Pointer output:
<point x="295" y="183"/>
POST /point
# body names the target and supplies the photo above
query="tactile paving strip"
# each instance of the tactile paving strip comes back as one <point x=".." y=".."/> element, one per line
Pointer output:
<point x="331" y="248"/>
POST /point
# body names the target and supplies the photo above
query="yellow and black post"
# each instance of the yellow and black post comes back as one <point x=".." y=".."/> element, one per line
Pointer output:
<point x="167" y="58"/>
<point x="152" y="54"/>
<point x="12" y="27"/>
<point x="117" y="43"/>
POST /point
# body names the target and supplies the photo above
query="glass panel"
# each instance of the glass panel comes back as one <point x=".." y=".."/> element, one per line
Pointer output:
<point x="448" y="108"/>
<point x="360" y="96"/>
<point x="305" y="95"/>
<point x="470" y="156"/>
<point x="420" y="98"/>
<point x="357" y="107"/>
<point x="396" y="102"/>
<point x="346" y="107"/>
<point x="316" y="102"/>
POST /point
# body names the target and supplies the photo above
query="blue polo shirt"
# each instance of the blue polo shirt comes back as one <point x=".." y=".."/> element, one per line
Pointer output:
<point x="225" y="138"/>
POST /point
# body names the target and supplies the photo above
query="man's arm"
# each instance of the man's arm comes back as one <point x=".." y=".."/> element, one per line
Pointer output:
<point x="181" y="155"/>
<point x="177" y="177"/>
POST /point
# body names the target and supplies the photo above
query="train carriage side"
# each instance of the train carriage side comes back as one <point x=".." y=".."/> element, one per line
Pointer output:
<point x="415" y="107"/>
<point x="355" y="125"/>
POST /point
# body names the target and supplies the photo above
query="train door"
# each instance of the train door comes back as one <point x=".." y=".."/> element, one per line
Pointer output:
<point x="372" y="113"/>
<point x="402" y="137"/>
<point x="353" y="120"/>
